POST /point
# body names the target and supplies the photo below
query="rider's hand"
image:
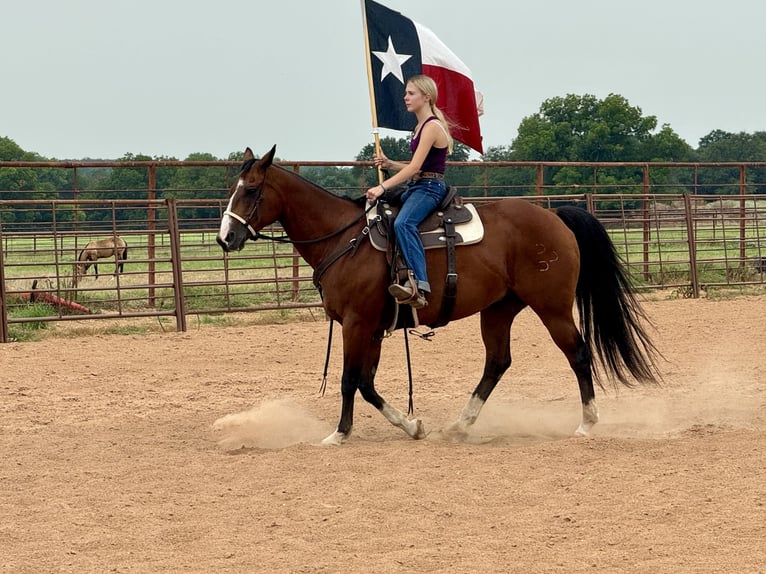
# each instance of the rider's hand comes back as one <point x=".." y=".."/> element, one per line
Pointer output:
<point x="382" y="161"/>
<point x="375" y="192"/>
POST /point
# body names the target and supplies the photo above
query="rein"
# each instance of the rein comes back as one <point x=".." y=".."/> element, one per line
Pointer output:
<point x="286" y="239"/>
<point x="321" y="269"/>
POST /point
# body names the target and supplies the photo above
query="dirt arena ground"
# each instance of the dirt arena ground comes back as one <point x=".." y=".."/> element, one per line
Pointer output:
<point x="196" y="452"/>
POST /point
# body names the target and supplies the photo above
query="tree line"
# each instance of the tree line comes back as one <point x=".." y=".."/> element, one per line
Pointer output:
<point x="572" y="128"/>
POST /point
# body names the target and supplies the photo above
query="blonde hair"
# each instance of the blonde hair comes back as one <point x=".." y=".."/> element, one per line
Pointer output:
<point x="427" y="86"/>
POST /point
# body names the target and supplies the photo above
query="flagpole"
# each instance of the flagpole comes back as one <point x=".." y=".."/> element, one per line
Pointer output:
<point x="371" y="86"/>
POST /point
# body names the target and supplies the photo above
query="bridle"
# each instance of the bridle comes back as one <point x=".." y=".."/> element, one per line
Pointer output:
<point x="242" y="220"/>
<point x="320" y="270"/>
<point x="284" y="238"/>
<point x="246" y="220"/>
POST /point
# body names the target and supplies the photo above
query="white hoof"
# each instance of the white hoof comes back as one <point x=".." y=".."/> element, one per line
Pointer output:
<point x="335" y="439"/>
<point x="419" y="430"/>
<point x="413" y="427"/>
<point x="589" y="418"/>
<point x="456" y="432"/>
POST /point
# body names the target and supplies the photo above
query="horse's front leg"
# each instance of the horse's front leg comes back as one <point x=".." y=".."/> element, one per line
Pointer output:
<point x="361" y="354"/>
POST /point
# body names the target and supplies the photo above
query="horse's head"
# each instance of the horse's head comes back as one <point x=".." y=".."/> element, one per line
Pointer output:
<point x="247" y="212"/>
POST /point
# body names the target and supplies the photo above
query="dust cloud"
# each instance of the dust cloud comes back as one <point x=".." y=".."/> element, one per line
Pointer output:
<point x="714" y="398"/>
<point x="271" y="425"/>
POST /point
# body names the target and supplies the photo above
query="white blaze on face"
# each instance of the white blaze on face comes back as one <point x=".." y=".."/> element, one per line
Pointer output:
<point x="227" y="219"/>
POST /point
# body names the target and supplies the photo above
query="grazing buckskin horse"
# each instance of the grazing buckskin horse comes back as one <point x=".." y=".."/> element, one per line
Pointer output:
<point x="114" y="247"/>
<point x="529" y="257"/>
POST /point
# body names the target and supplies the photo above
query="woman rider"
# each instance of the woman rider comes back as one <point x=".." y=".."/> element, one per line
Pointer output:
<point x="424" y="175"/>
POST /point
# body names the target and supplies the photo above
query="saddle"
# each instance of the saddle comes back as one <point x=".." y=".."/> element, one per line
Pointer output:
<point x="464" y="217"/>
<point x="452" y="223"/>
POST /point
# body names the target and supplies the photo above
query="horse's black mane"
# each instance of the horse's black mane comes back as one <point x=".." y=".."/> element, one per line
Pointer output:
<point x="358" y="201"/>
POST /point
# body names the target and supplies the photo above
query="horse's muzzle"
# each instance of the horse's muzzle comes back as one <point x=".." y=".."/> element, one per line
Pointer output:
<point x="232" y="242"/>
<point x="223" y="243"/>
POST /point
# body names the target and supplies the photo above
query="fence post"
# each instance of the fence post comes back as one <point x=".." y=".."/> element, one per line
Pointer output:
<point x="151" y="239"/>
<point x="647" y="228"/>
<point x="296" y="267"/>
<point x="742" y="215"/>
<point x="590" y="204"/>
<point x="3" y="306"/>
<point x="692" y="246"/>
<point x="540" y="180"/>
<point x="175" y="262"/>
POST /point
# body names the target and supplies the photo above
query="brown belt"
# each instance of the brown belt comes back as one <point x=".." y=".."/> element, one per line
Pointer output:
<point x="428" y="175"/>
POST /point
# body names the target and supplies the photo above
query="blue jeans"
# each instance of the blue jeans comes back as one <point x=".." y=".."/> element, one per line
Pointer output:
<point x="420" y="199"/>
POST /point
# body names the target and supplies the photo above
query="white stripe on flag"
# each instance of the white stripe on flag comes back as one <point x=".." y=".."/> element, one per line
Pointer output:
<point x="434" y="52"/>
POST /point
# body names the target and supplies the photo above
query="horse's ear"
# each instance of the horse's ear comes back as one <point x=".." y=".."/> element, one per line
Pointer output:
<point x="267" y="160"/>
<point x="248" y="154"/>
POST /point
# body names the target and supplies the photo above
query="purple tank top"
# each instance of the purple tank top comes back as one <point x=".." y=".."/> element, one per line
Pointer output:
<point x="436" y="160"/>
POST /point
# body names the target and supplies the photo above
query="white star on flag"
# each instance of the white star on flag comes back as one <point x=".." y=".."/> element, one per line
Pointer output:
<point x="392" y="62"/>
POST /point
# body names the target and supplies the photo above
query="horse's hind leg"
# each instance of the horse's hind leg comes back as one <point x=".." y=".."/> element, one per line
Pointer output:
<point x="567" y="337"/>
<point x="496" y="322"/>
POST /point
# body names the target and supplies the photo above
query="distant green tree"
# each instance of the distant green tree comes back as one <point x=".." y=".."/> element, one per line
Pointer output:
<point x="398" y="149"/>
<point x="502" y="181"/>
<point x="15" y="179"/>
<point x="133" y="181"/>
<point x="341" y="181"/>
<point x="720" y="147"/>
<point x="666" y="145"/>
<point x="28" y="183"/>
<point x="210" y="181"/>
<point x="198" y="182"/>
<point x="585" y="129"/>
<point x="238" y="156"/>
<point x="11" y="151"/>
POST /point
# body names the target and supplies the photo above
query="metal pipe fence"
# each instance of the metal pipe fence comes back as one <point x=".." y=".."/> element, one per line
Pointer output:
<point x="174" y="269"/>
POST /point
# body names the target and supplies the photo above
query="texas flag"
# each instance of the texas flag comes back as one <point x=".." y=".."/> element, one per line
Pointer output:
<point x="401" y="48"/>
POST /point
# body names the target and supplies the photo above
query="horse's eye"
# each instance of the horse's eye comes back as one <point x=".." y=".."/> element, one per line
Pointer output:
<point x="251" y="189"/>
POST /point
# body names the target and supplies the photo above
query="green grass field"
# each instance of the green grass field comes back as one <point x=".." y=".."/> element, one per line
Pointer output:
<point x="268" y="276"/>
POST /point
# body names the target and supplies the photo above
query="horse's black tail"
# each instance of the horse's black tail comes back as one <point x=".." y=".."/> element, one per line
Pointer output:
<point x="610" y="314"/>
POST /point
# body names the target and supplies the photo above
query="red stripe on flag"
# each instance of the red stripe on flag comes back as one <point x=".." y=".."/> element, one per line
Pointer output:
<point x="457" y="99"/>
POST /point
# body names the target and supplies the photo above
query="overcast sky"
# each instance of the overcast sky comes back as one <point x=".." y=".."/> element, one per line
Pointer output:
<point x="99" y="79"/>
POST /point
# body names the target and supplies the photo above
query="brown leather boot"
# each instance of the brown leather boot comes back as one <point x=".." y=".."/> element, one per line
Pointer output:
<point x="407" y="295"/>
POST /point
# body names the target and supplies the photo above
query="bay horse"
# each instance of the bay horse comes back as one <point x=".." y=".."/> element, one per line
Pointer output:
<point x="547" y="260"/>
<point x="114" y="246"/>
